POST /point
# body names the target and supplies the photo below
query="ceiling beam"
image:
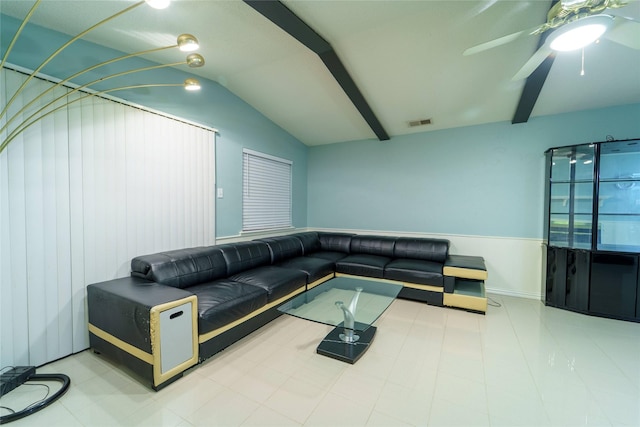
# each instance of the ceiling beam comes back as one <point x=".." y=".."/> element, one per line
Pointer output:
<point x="531" y="91"/>
<point x="284" y="18"/>
<point x="534" y="83"/>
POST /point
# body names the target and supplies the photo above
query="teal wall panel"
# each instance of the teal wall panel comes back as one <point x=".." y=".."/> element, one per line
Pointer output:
<point x="239" y="125"/>
<point x="485" y="180"/>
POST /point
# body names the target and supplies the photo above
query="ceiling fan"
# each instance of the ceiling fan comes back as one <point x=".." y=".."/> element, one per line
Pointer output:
<point x="571" y="25"/>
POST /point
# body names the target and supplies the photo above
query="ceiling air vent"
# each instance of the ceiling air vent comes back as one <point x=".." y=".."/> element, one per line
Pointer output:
<point x="422" y="122"/>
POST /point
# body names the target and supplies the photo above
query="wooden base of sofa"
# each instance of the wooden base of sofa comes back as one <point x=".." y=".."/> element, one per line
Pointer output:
<point x="217" y="340"/>
<point x="430" y="294"/>
<point x="467" y="295"/>
<point x="429" y="297"/>
<point x="215" y="345"/>
<point x="465" y="267"/>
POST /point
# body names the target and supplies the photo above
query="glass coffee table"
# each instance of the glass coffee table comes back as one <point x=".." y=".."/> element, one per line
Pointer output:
<point x="352" y="306"/>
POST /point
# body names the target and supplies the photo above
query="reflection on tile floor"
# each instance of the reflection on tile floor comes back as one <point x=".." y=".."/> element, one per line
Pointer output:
<point x="521" y="364"/>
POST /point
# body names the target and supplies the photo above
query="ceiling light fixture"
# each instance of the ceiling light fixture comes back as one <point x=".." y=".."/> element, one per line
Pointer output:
<point x="26" y="124"/>
<point x="10" y="130"/>
<point x="188" y="43"/>
<point x="183" y="39"/>
<point x="195" y="60"/>
<point x="580" y="33"/>
<point x="191" y="84"/>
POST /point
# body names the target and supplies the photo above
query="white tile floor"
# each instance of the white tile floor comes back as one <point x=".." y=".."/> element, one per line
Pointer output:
<point x="521" y="364"/>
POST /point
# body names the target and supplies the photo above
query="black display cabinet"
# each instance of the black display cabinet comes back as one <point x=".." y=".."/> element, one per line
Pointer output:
<point x="592" y="226"/>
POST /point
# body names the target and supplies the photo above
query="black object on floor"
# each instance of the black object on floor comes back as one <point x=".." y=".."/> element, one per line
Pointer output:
<point x="35" y="407"/>
<point x="15" y="377"/>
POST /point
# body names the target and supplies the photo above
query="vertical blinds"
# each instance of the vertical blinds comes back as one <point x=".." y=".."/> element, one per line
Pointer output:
<point x="266" y="195"/>
<point x="82" y="192"/>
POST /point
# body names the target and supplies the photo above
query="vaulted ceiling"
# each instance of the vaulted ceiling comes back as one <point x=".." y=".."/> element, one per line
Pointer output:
<point x="403" y="57"/>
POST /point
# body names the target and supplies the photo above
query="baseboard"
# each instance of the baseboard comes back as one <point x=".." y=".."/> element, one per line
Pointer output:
<point x="518" y="294"/>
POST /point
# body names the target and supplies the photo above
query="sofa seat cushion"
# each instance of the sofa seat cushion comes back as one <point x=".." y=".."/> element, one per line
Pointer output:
<point x="277" y="281"/>
<point x="225" y="301"/>
<point x="415" y="271"/>
<point x="328" y="255"/>
<point x="314" y="268"/>
<point x="363" y="265"/>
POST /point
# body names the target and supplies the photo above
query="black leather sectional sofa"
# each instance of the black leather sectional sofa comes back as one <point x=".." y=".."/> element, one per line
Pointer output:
<point x="180" y="307"/>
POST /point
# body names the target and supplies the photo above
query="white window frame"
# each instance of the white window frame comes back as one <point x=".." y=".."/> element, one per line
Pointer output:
<point x="266" y="192"/>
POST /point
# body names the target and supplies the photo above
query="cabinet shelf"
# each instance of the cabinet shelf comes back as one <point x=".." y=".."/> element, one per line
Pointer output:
<point x="565" y="199"/>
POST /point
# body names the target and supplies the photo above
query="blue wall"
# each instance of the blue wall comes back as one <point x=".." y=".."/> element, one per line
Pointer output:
<point x="240" y="125"/>
<point x="485" y="180"/>
<point x="480" y="180"/>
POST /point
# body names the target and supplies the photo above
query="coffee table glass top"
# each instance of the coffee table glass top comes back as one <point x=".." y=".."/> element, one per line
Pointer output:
<point x="330" y="302"/>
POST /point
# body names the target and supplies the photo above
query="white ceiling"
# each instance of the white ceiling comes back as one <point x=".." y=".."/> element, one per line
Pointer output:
<point x="405" y="56"/>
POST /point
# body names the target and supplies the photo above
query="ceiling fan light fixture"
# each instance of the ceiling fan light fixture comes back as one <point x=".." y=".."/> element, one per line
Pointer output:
<point x="158" y="4"/>
<point x="580" y="33"/>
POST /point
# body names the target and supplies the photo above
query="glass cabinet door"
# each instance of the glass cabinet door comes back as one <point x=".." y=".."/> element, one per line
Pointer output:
<point x="619" y="195"/>
<point x="571" y="201"/>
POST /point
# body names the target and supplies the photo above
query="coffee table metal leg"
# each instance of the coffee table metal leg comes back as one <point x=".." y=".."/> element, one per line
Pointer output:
<point x="349" y="324"/>
<point x="349" y="318"/>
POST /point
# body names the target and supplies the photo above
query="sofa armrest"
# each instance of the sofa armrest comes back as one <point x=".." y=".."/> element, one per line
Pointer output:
<point x="465" y="267"/>
<point x="148" y="327"/>
<point x="122" y="307"/>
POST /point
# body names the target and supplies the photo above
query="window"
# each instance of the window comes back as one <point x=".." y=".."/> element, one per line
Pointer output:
<point x="266" y="192"/>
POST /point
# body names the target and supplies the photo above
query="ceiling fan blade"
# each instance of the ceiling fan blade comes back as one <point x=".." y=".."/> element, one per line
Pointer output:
<point x="625" y="32"/>
<point x="498" y="42"/>
<point x="534" y="62"/>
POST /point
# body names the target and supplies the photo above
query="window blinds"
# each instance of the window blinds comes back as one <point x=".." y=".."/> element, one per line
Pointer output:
<point x="266" y="195"/>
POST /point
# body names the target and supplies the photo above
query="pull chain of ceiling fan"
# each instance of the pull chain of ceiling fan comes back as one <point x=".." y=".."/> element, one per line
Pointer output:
<point x="582" y="69"/>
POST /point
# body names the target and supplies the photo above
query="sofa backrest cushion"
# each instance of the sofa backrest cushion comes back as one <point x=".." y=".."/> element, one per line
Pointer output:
<point x="373" y="245"/>
<point x="283" y="248"/>
<point x="335" y="242"/>
<point x="245" y="255"/>
<point x="310" y="242"/>
<point x="181" y="268"/>
<point x="420" y="248"/>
